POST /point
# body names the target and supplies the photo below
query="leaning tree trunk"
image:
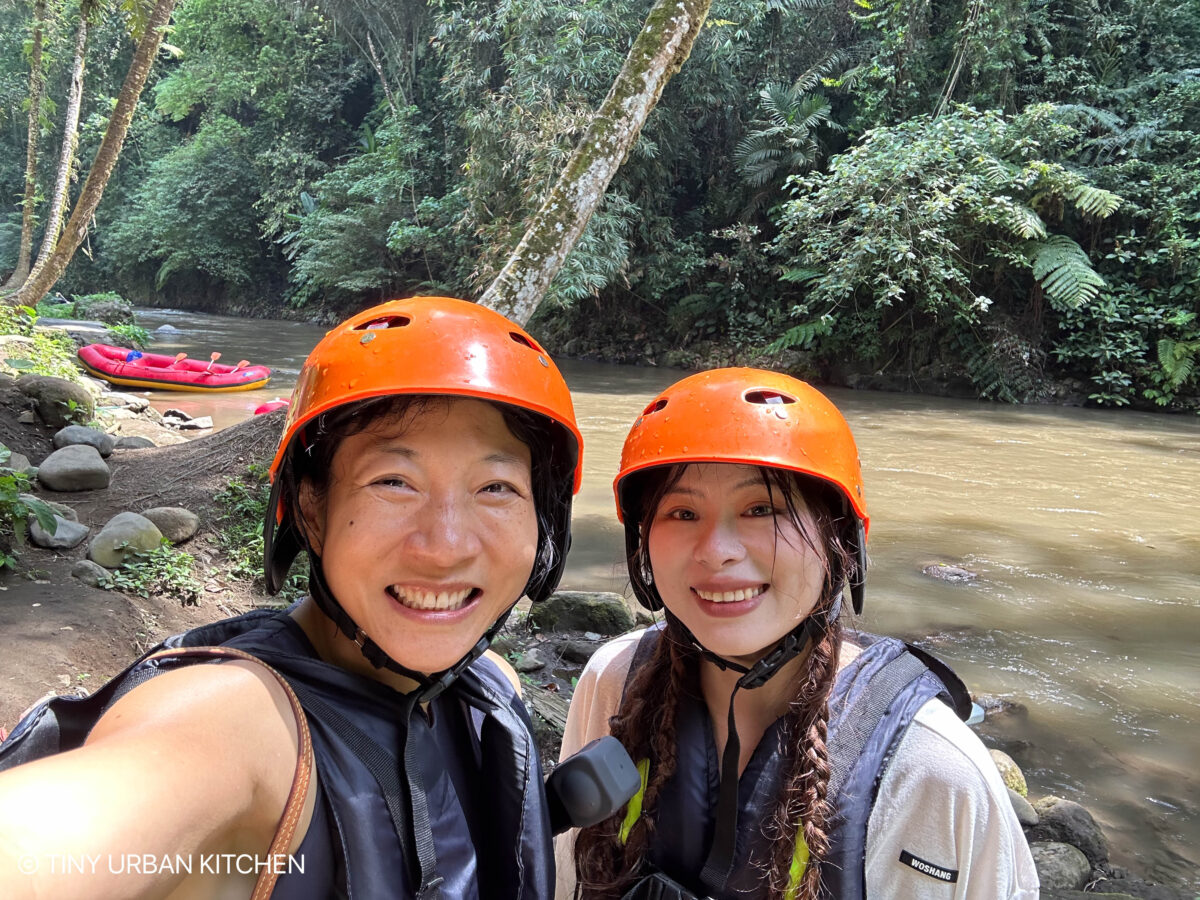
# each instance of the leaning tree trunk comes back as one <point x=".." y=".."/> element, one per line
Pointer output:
<point x="658" y="52"/>
<point x="37" y="83"/>
<point x="70" y="143"/>
<point x="44" y="277"/>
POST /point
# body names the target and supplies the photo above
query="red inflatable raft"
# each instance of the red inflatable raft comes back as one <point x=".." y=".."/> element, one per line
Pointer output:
<point x="132" y="368"/>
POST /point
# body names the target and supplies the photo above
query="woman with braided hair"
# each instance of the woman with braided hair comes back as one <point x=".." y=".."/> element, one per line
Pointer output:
<point x="782" y="756"/>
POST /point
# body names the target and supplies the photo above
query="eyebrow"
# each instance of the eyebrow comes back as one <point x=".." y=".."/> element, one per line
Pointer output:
<point x="748" y="482"/>
<point x="499" y="456"/>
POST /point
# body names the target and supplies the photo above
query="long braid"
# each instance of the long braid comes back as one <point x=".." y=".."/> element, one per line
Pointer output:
<point x="645" y="725"/>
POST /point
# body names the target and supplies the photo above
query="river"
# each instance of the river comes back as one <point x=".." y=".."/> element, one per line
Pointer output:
<point x="1081" y="524"/>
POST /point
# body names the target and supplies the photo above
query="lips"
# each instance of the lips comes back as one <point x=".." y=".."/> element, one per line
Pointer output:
<point x="430" y="600"/>
<point x="734" y="596"/>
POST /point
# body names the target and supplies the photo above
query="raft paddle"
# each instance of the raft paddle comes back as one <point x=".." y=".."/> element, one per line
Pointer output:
<point x="179" y="357"/>
<point x="212" y="359"/>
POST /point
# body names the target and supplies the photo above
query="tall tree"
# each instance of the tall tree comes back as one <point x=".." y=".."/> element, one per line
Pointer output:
<point x="37" y="84"/>
<point x="70" y="138"/>
<point x="49" y="270"/>
<point x="658" y="52"/>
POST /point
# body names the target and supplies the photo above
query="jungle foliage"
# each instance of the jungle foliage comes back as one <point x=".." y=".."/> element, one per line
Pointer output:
<point x="1002" y="196"/>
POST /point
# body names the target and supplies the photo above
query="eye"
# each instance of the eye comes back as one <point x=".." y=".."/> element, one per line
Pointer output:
<point x="761" y="510"/>
<point x="682" y="515"/>
<point x="392" y="481"/>
<point x="499" y="487"/>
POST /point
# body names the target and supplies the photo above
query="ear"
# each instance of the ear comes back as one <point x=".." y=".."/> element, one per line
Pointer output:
<point x="311" y="520"/>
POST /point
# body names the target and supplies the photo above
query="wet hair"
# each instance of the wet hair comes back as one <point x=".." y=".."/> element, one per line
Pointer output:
<point x="552" y="464"/>
<point x="645" y="720"/>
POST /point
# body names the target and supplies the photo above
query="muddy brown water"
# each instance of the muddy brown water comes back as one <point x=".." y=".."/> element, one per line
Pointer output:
<point x="1082" y="526"/>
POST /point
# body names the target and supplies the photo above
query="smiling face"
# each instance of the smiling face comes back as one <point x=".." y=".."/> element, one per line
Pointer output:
<point x="730" y="562"/>
<point x="426" y="530"/>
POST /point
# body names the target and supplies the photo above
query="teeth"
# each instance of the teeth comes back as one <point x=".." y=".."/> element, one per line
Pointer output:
<point x="415" y="599"/>
<point x="731" y="596"/>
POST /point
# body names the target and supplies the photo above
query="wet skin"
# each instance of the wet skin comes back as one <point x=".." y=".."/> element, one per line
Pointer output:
<point x="427" y="533"/>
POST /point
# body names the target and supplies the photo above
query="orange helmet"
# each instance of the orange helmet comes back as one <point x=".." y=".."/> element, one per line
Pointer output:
<point x="422" y="345"/>
<point x="748" y="416"/>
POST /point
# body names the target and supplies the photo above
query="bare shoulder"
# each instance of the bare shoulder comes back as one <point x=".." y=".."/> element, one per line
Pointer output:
<point x="505" y="668"/>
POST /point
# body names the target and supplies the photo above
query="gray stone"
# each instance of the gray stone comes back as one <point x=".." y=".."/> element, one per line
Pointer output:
<point x="110" y="312"/>
<point x="123" y="534"/>
<point x="19" y="462"/>
<point x="176" y="523"/>
<point x="81" y="434"/>
<point x="125" y="401"/>
<point x="60" y="509"/>
<point x="58" y="402"/>
<point x="27" y="417"/>
<point x="530" y="661"/>
<point x="197" y="423"/>
<point x="7" y="381"/>
<point x="1026" y="814"/>
<point x="78" y="467"/>
<point x="1060" y="867"/>
<point x="1123" y="886"/>
<point x="90" y="573"/>
<point x="1010" y="772"/>
<point x="946" y="572"/>
<point x="134" y="442"/>
<point x="578" y="651"/>
<point x="67" y="534"/>
<point x="599" y="611"/>
<point x="1068" y="822"/>
<point x="166" y="329"/>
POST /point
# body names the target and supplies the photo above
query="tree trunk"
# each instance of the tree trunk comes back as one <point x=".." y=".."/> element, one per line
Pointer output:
<point x="37" y="83"/>
<point x="70" y="143"/>
<point x="659" y="51"/>
<point x="44" y="277"/>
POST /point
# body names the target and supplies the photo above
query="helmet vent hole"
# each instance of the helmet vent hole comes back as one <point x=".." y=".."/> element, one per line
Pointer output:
<point x="383" y="322"/>
<point x="655" y="406"/>
<point x="522" y="339"/>
<point x="768" y="397"/>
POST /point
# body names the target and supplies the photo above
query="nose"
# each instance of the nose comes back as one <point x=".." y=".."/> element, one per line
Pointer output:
<point x="443" y="533"/>
<point x="719" y="544"/>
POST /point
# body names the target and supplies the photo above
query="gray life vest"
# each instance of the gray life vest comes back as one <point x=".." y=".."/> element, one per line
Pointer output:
<point x="874" y="699"/>
<point x="484" y="805"/>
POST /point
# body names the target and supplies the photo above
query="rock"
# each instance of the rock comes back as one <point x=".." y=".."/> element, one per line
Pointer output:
<point x="946" y="572"/>
<point x="176" y="523"/>
<point x="7" y="381"/>
<point x="90" y="573"/>
<point x="1026" y="814"/>
<point x="578" y="652"/>
<point x="110" y="312"/>
<point x="134" y="442"/>
<point x="1067" y="822"/>
<point x="58" y="402"/>
<point x="19" y="462"/>
<point x="644" y="618"/>
<point x="1060" y="867"/>
<point x="1013" y="777"/>
<point x="530" y="661"/>
<point x="124" y="401"/>
<point x="60" y="509"/>
<point x="81" y="434"/>
<point x="174" y="413"/>
<point x="123" y="534"/>
<point x="27" y="417"/>
<point x="166" y="329"/>
<point x="67" y="534"/>
<point x="78" y="467"/>
<point x="599" y="611"/>
<point x="1122" y="885"/>
<point x="504" y="645"/>
<point x="197" y="423"/>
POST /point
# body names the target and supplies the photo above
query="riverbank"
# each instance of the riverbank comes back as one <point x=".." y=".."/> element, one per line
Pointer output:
<point x="66" y="636"/>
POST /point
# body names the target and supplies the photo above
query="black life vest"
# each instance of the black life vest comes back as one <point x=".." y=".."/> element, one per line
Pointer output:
<point x="874" y="699"/>
<point x="485" y="799"/>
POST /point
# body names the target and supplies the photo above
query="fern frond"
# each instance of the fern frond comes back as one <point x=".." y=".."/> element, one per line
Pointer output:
<point x="800" y="275"/>
<point x="1065" y="272"/>
<point x="1178" y="360"/>
<point x="1024" y="222"/>
<point x="802" y="335"/>
<point x="1094" y="201"/>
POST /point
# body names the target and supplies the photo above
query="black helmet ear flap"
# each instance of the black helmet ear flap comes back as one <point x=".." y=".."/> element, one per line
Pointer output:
<point x="858" y="581"/>
<point x="282" y="540"/>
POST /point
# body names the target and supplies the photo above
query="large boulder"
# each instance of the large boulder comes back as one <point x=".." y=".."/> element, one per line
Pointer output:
<point x="134" y="442"/>
<point x="123" y="534"/>
<point x="1060" y="867"/>
<point x="58" y="402"/>
<point x="176" y="523"/>
<point x="91" y="574"/>
<point x="60" y="509"/>
<point x="1067" y="822"/>
<point x="81" y="434"/>
<point x="600" y="611"/>
<point x="66" y="534"/>
<point x="78" y="467"/>
<point x="110" y="309"/>
<point x="1026" y="814"/>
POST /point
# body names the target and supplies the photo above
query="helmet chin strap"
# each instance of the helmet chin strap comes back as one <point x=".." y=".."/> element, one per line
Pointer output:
<point x="719" y="864"/>
<point x="431" y="685"/>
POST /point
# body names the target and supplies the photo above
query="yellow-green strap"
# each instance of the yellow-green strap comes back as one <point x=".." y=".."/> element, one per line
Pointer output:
<point x="633" y="811"/>
<point x="799" y="864"/>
